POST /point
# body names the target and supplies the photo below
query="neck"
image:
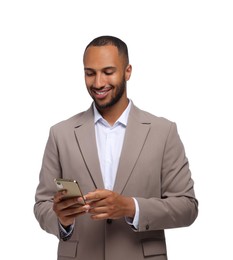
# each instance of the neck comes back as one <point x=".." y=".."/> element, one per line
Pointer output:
<point x="111" y="114"/>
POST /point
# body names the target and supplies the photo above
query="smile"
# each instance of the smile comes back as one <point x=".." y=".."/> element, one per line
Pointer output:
<point x="101" y="93"/>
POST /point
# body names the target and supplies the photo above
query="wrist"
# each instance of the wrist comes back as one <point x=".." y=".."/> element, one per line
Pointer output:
<point x="130" y="208"/>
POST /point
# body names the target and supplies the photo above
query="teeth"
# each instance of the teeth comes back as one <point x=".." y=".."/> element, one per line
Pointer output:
<point x="100" y="93"/>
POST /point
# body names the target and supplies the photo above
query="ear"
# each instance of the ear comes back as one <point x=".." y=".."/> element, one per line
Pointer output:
<point x="128" y="72"/>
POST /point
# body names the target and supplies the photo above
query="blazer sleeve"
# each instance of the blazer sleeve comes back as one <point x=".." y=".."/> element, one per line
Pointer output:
<point x="177" y="206"/>
<point x="43" y="208"/>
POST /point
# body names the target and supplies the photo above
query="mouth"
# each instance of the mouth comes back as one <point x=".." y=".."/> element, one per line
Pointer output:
<point x="101" y="93"/>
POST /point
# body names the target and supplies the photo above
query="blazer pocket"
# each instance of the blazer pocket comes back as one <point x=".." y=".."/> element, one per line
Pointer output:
<point x="154" y="247"/>
<point x="67" y="248"/>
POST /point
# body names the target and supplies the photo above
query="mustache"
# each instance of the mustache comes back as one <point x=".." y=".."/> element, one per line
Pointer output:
<point x="100" y="88"/>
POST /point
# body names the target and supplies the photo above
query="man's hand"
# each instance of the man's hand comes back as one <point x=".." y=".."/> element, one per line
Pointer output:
<point x="67" y="210"/>
<point x="106" y="204"/>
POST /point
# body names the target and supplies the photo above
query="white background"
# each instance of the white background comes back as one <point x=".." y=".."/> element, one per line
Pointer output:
<point x="182" y="58"/>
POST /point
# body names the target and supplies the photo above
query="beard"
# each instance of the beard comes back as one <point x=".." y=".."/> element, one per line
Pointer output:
<point x="120" y="89"/>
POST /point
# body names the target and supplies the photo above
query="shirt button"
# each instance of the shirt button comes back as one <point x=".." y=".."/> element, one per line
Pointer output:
<point x="109" y="221"/>
<point x="147" y="227"/>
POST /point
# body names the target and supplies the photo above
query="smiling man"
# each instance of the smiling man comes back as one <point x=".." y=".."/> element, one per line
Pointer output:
<point x="130" y="165"/>
<point x="106" y="73"/>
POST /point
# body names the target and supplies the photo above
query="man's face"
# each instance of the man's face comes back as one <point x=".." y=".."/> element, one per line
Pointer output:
<point x="105" y="75"/>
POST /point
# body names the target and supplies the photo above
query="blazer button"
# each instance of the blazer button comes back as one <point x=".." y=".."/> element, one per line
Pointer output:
<point x="147" y="227"/>
<point x="109" y="221"/>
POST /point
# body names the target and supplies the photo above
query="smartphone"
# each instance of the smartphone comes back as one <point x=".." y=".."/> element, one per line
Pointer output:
<point x="72" y="187"/>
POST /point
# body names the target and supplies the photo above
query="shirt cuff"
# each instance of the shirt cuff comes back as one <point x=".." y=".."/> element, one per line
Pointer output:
<point x="134" y="221"/>
<point x="65" y="232"/>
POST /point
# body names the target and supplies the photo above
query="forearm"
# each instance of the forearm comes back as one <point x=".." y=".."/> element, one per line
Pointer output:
<point x="129" y="207"/>
<point x="173" y="212"/>
<point x="46" y="217"/>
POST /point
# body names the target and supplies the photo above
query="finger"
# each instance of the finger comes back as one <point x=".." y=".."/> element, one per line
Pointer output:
<point x="71" y="212"/>
<point x="92" y="196"/>
<point x="76" y="210"/>
<point x="72" y="202"/>
<point x="97" y="203"/>
<point x="67" y="217"/>
<point x="81" y="200"/>
<point x="98" y="210"/>
<point x="99" y="216"/>
<point x="97" y="195"/>
<point x="59" y="196"/>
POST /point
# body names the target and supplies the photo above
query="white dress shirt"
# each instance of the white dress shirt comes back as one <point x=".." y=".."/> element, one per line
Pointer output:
<point x="109" y="145"/>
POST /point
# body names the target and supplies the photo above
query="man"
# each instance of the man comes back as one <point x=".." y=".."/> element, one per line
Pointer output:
<point x="130" y="165"/>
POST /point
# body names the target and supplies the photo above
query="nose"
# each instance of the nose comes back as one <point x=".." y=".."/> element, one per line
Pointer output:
<point x="99" y="81"/>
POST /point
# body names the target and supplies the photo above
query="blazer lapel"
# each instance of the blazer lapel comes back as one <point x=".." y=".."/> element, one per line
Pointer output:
<point x="135" y="136"/>
<point x="85" y="135"/>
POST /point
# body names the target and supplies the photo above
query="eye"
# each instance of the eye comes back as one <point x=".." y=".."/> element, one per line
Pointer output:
<point x="89" y="73"/>
<point x="108" y="73"/>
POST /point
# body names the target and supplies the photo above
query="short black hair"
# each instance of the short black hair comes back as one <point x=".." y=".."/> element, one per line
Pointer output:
<point x="111" y="40"/>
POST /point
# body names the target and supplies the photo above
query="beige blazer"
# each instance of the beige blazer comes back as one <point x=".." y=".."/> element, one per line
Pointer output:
<point x="153" y="168"/>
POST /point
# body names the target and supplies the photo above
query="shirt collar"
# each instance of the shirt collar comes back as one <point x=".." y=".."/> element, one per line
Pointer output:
<point x="122" y="119"/>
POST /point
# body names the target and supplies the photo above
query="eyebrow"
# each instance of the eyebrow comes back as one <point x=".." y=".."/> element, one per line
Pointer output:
<point x="105" y="68"/>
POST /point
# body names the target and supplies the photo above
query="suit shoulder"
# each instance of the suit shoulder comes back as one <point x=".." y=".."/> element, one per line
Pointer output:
<point x="159" y="126"/>
<point x="147" y="117"/>
<point x="71" y="122"/>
